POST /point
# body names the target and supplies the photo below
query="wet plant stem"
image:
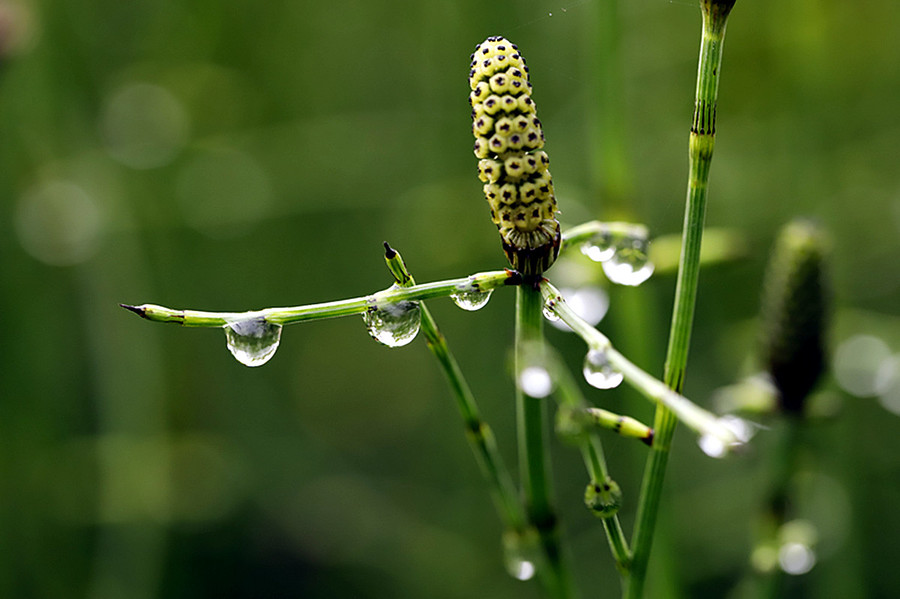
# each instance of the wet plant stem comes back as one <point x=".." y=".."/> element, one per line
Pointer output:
<point x="702" y="140"/>
<point x="696" y="418"/>
<point x="479" y="434"/>
<point x="534" y="457"/>
<point x="196" y="318"/>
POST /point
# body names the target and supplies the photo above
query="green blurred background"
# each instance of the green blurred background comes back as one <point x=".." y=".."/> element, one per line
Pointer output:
<point x="231" y="155"/>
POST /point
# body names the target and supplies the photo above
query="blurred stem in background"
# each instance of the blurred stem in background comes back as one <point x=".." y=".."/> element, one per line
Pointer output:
<point x="534" y="454"/>
<point x="702" y="141"/>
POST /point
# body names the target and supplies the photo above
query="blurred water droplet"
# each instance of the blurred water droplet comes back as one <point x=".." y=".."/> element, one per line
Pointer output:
<point x="472" y="300"/>
<point x="716" y="447"/>
<point x="630" y="265"/>
<point x="857" y="362"/>
<point x="144" y="126"/>
<point x="393" y="324"/>
<point x="888" y="378"/>
<point x="252" y="341"/>
<point x="599" y="248"/>
<point x="598" y="372"/>
<point x="796" y="558"/>
<point x="521" y="553"/>
<point x="58" y="223"/>
<point x="590" y="303"/>
<point x="536" y="381"/>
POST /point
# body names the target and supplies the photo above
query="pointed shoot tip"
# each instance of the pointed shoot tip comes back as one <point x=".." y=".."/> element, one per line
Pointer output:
<point x="389" y="252"/>
<point x="139" y="310"/>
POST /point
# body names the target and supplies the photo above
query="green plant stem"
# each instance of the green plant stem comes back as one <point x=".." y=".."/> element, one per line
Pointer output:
<point x="586" y="231"/>
<point x="701" y="421"/>
<point x="534" y="459"/>
<point x="702" y="140"/>
<point x="479" y="434"/>
<point x="591" y="447"/>
<point x="197" y="318"/>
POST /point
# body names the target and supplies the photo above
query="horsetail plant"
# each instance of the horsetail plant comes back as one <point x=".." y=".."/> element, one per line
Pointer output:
<point x="513" y="168"/>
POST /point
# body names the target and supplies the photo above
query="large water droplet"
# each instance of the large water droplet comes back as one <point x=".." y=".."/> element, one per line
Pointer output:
<point x="521" y="553"/>
<point x="252" y="341"/>
<point x="599" y="248"/>
<point x="536" y="381"/>
<point x="472" y="300"/>
<point x="630" y="265"/>
<point x="393" y="324"/>
<point x="598" y="372"/>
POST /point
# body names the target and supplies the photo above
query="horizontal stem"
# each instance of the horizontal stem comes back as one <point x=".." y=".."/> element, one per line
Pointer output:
<point x="197" y="318"/>
<point x="586" y="231"/>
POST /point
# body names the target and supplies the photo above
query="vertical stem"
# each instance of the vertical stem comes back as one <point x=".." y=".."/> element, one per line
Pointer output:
<point x="478" y="433"/>
<point x="534" y="457"/>
<point x="702" y="140"/>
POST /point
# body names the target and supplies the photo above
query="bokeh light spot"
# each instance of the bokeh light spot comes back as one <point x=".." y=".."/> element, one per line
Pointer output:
<point x="58" y="223"/>
<point x="144" y="126"/>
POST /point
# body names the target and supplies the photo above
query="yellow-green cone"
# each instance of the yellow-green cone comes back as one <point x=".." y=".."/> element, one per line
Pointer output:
<point x="793" y="313"/>
<point x="508" y="142"/>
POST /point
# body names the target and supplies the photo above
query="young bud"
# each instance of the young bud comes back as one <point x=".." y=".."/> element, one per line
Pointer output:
<point x="508" y="140"/>
<point x="793" y="313"/>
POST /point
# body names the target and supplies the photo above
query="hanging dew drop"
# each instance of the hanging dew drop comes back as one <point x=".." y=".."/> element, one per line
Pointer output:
<point x="535" y="381"/>
<point x="716" y="447"/>
<point x="472" y="300"/>
<point x="598" y="372"/>
<point x="252" y="341"/>
<point x="630" y="264"/>
<point x="549" y="314"/>
<point x="521" y="552"/>
<point x="600" y="248"/>
<point x="393" y="324"/>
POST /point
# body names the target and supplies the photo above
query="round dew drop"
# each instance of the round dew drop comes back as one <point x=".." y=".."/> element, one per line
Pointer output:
<point x="599" y="249"/>
<point x="535" y="381"/>
<point x="472" y="300"/>
<point x="521" y="553"/>
<point x="394" y="325"/>
<point x="598" y="371"/>
<point x="252" y="341"/>
<point x="630" y="264"/>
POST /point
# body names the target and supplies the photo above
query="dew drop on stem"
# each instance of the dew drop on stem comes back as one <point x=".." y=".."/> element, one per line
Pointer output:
<point x="252" y="341"/>
<point x="472" y="300"/>
<point x="535" y="381"/>
<point x="393" y="324"/>
<point x="599" y="248"/>
<point x="598" y="371"/>
<point x="521" y="552"/>
<point x="630" y="264"/>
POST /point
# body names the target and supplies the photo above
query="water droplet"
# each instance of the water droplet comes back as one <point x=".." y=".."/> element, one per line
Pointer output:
<point x="536" y="381"/>
<point x="599" y="373"/>
<point x="796" y="555"/>
<point x="550" y="314"/>
<point x="252" y="341"/>
<point x="796" y="558"/>
<point x="599" y="248"/>
<point x="590" y="303"/>
<point x="472" y="300"/>
<point x="521" y="553"/>
<point x="715" y="447"/>
<point x="630" y="264"/>
<point x="393" y="324"/>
